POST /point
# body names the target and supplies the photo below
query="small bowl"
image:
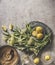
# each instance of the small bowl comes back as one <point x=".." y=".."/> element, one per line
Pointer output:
<point x="9" y="55"/>
<point x="45" y="62"/>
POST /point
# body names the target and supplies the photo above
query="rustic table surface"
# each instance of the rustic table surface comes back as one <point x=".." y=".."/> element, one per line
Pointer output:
<point x="20" y="12"/>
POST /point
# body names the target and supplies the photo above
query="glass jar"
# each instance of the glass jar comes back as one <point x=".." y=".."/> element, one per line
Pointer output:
<point x="51" y="57"/>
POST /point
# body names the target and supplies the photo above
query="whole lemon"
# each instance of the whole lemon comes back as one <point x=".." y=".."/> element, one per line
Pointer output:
<point x="47" y="57"/>
<point x="39" y="29"/>
<point x="36" y="60"/>
<point x="34" y="33"/>
<point x="39" y="36"/>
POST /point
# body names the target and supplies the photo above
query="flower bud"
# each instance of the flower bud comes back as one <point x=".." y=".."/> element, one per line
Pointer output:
<point x="4" y="28"/>
<point x="11" y="27"/>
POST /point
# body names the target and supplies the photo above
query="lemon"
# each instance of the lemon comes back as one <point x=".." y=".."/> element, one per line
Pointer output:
<point x="47" y="57"/>
<point x="34" y="33"/>
<point x="36" y="60"/>
<point x="39" y="36"/>
<point x="39" y="29"/>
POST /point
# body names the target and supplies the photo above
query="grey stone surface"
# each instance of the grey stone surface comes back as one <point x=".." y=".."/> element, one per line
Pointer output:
<point x="20" y="12"/>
